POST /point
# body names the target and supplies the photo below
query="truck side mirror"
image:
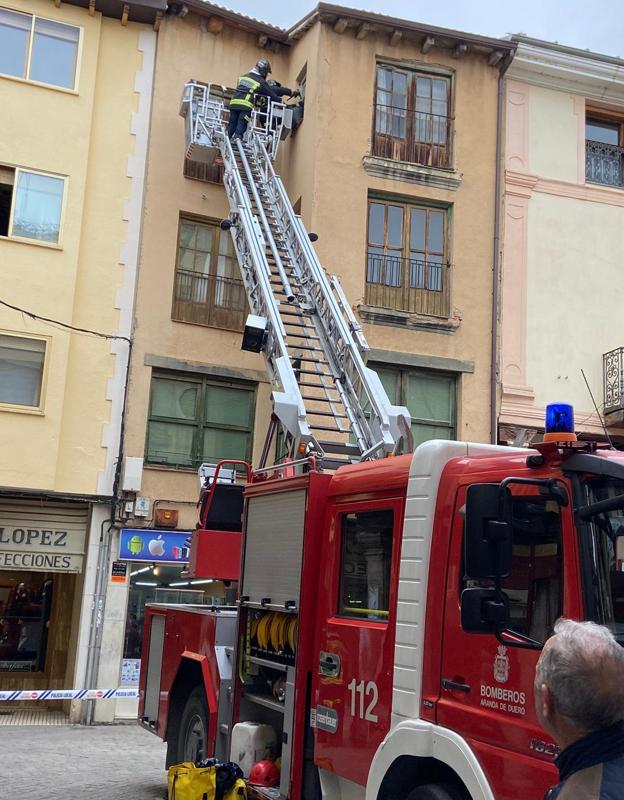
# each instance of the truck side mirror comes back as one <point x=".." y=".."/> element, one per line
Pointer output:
<point x="487" y="536"/>
<point x="484" y="610"/>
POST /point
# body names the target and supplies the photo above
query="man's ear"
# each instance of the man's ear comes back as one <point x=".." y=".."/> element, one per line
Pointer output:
<point x="546" y="701"/>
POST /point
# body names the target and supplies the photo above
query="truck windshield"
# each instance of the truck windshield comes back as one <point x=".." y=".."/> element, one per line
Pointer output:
<point x="605" y="551"/>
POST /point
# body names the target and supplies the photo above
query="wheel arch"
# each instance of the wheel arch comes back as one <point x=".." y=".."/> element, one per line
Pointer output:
<point x="416" y="752"/>
<point x="192" y="671"/>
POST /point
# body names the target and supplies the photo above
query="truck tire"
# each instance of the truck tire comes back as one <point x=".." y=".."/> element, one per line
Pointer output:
<point x="193" y="732"/>
<point x="435" y="791"/>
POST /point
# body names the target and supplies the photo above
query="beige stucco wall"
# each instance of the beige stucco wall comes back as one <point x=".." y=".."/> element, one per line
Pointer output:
<point x="184" y="51"/>
<point x="322" y="165"/>
<point x="86" y="136"/>
<point x="342" y="185"/>
<point x="574" y="254"/>
<point x="553" y="134"/>
<point x="562" y="264"/>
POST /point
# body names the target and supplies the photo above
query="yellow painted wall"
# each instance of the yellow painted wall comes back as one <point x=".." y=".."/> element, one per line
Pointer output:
<point x="86" y="136"/>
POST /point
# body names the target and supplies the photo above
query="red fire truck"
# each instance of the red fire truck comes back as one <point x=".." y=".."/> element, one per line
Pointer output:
<point x="390" y="617"/>
<point x="391" y="610"/>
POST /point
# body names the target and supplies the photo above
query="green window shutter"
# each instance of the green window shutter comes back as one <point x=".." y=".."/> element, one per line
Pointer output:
<point x="431" y="401"/>
<point x="173" y="398"/>
<point x="172" y="421"/>
<point x="169" y="443"/>
<point x="228" y="423"/>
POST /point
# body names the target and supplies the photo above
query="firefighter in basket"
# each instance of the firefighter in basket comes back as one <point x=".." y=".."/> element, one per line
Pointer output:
<point x="252" y="89"/>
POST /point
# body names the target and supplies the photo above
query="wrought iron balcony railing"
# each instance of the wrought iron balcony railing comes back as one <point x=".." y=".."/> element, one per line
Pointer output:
<point x="402" y="134"/>
<point x="604" y="163"/>
<point x="613" y="376"/>
<point x="209" y="300"/>
<point x="408" y="284"/>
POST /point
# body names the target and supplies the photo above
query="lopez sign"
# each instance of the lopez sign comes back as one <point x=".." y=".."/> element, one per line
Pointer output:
<point x="42" y="544"/>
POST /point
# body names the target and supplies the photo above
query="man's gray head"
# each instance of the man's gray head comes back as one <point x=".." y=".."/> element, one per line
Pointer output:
<point x="583" y="667"/>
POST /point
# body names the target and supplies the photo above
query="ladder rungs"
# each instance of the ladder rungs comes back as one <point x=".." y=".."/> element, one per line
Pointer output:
<point x="325" y="414"/>
<point x="301" y="371"/>
<point x="318" y="386"/>
<point x="328" y="428"/>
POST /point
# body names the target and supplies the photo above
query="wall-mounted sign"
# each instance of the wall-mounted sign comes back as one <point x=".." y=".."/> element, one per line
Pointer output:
<point x="130" y="671"/>
<point x="141" y="544"/>
<point x="42" y="539"/>
<point x="119" y="570"/>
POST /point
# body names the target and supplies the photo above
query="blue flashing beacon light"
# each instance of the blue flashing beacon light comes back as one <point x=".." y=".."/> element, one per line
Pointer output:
<point x="559" y="423"/>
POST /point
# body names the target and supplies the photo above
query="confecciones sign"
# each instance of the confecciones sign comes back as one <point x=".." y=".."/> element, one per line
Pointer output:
<point x="44" y="549"/>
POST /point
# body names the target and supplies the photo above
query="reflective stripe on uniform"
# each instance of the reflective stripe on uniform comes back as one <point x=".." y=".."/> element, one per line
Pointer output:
<point x="247" y="87"/>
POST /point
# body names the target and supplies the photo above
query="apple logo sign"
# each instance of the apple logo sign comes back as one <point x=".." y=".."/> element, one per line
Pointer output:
<point x="156" y="547"/>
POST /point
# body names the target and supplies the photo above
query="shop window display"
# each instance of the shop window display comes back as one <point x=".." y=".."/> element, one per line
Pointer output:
<point x="25" y="603"/>
<point x="160" y="583"/>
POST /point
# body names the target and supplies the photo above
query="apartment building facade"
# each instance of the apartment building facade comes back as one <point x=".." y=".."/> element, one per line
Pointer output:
<point x="394" y="167"/>
<point x="76" y="82"/>
<point x="563" y="240"/>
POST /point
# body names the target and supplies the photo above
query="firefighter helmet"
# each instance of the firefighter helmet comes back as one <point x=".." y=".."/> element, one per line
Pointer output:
<point x="264" y="773"/>
<point x="263" y="67"/>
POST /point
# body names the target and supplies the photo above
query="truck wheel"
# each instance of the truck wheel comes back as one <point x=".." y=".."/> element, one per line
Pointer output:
<point x="435" y="791"/>
<point x="193" y="733"/>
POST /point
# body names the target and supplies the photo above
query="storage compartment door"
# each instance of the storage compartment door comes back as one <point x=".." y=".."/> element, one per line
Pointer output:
<point x="273" y="548"/>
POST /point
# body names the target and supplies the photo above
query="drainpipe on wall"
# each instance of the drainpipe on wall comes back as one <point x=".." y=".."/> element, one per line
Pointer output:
<point x="496" y="276"/>
<point x="104" y="552"/>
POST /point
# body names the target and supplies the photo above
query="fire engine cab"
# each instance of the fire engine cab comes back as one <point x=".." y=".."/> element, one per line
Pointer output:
<point x="391" y="608"/>
<point x="390" y="618"/>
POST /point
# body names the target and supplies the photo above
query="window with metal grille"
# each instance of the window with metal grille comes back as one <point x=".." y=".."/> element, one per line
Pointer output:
<point x="197" y="419"/>
<point x="604" y="150"/>
<point x="412" y="120"/>
<point x="430" y="397"/>
<point x="407" y="263"/>
<point x="208" y="287"/>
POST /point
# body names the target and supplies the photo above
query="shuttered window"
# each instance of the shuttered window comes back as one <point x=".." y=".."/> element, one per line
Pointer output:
<point x="430" y="398"/>
<point x="195" y="420"/>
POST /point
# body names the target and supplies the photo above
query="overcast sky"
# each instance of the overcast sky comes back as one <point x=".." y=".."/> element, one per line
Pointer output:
<point x="597" y="25"/>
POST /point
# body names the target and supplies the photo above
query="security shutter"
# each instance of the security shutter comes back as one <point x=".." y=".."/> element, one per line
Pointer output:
<point x="274" y="546"/>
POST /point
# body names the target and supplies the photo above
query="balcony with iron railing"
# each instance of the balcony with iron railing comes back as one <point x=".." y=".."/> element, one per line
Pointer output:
<point x="408" y="284"/>
<point x="604" y="163"/>
<point x="403" y="134"/>
<point x="211" y="300"/>
<point x="613" y="381"/>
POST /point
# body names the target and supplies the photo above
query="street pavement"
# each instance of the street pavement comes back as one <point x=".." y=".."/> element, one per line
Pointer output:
<point x="107" y="762"/>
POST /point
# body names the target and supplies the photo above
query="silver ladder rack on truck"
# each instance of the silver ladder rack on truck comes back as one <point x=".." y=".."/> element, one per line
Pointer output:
<point x="328" y="402"/>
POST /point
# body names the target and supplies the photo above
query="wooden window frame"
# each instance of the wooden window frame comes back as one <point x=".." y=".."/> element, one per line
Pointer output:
<point x="31" y="38"/>
<point x="410" y="149"/>
<point x="405" y="297"/>
<point x="199" y="424"/>
<point x="221" y="317"/>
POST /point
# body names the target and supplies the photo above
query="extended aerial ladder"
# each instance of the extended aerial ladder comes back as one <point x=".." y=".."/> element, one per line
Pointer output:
<point x="327" y="401"/>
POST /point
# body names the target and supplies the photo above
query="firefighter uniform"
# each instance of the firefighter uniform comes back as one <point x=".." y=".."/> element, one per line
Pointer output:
<point x="250" y="86"/>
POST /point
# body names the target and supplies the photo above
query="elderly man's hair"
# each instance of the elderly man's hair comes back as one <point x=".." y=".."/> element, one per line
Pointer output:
<point x="584" y="670"/>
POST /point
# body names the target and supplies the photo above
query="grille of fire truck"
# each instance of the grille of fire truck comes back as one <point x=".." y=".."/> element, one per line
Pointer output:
<point x="326" y="400"/>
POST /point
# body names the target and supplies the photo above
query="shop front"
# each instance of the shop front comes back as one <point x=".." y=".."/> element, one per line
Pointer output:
<point x="42" y="548"/>
<point x="156" y="564"/>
